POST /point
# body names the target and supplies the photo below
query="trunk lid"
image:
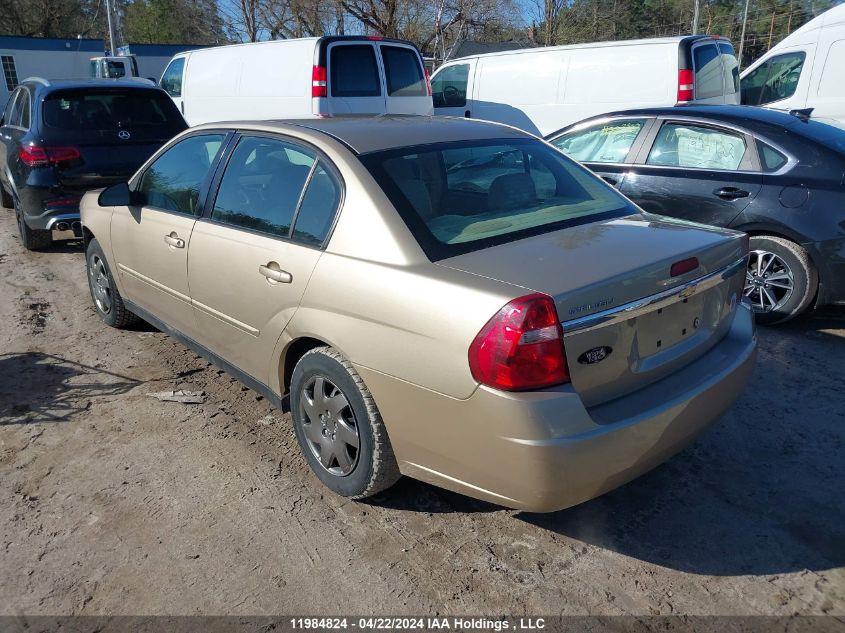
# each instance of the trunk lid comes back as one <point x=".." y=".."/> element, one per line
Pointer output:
<point x="627" y="321"/>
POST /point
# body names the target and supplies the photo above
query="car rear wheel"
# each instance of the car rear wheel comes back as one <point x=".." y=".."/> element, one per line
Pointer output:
<point x="338" y="426"/>
<point x="781" y="281"/>
<point x="107" y="300"/>
<point x="32" y="239"/>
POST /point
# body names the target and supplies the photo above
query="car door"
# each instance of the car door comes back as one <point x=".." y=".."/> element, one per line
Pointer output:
<point x="451" y="89"/>
<point x="606" y="146"/>
<point x="355" y="85"/>
<point x="694" y="170"/>
<point x="404" y="79"/>
<point x="253" y="252"/>
<point x="150" y="240"/>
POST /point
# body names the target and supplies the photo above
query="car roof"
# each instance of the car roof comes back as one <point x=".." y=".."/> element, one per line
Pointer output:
<point x="366" y="134"/>
<point x="51" y="85"/>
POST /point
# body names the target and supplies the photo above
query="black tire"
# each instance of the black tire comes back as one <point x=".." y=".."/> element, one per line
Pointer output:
<point x="32" y="239"/>
<point x="374" y="468"/>
<point x="790" y="260"/>
<point x="6" y="199"/>
<point x="107" y="300"/>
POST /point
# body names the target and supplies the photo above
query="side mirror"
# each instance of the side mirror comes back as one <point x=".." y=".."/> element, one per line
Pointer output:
<point x="120" y="195"/>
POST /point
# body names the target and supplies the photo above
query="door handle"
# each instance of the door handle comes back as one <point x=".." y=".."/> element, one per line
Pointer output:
<point x="274" y="273"/>
<point x="174" y="240"/>
<point x="730" y="193"/>
<point x="610" y="181"/>
<point x="466" y="114"/>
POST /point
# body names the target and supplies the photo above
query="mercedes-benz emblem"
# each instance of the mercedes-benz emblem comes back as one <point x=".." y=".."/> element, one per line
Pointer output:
<point x="123" y="135"/>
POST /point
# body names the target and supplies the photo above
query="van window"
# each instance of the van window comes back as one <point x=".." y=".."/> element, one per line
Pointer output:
<point x="115" y="70"/>
<point x="354" y="72"/>
<point x="403" y="71"/>
<point x="449" y="86"/>
<point x="682" y="145"/>
<point x="773" y="80"/>
<point x="707" y="65"/>
<point x="262" y="185"/>
<point x="607" y="142"/>
<point x="832" y="84"/>
<point x="171" y="80"/>
<point x="730" y="66"/>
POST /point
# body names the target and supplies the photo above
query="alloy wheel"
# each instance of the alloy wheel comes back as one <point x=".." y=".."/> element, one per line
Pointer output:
<point x="98" y="278"/>
<point x="768" y="281"/>
<point x="329" y="426"/>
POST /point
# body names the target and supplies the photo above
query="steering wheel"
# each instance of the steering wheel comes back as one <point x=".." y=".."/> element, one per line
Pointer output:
<point x="451" y="94"/>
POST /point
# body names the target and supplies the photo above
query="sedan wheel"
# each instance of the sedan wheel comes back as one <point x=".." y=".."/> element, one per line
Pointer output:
<point x="768" y="281"/>
<point x="98" y="278"/>
<point x="329" y="426"/>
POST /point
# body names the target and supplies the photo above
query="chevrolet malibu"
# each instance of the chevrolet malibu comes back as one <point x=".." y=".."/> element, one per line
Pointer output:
<point x="452" y="300"/>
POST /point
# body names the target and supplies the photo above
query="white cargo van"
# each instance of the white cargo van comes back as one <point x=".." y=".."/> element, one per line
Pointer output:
<point x="298" y="78"/>
<point x="805" y="70"/>
<point x="544" y="89"/>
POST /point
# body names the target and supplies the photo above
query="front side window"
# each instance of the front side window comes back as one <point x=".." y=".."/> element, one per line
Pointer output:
<point x="707" y="65"/>
<point x="449" y="86"/>
<point x="262" y="186"/>
<point x="681" y="145"/>
<point x="403" y="72"/>
<point x="354" y="71"/>
<point x="608" y="142"/>
<point x="171" y="80"/>
<point x="773" y="80"/>
<point x="505" y="190"/>
<point x="174" y="180"/>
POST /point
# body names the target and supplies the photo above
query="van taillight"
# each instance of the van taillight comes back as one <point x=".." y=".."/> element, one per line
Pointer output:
<point x="686" y="85"/>
<point x="521" y="347"/>
<point x="318" y="82"/>
<point x="36" y="156"/>
<point x="427" y="81"/>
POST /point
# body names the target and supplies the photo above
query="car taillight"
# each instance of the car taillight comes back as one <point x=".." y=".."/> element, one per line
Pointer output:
<point x="521" y="347"/>
<point x="35" y="156"/>
<point x="686" y="85"/>
<point x="427" y="82"/>
<point x="318" y="82"/>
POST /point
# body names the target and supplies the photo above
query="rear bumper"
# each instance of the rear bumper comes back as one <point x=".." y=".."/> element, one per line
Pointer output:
<point x="543" y="451"/>
<point x="43" y="208"/>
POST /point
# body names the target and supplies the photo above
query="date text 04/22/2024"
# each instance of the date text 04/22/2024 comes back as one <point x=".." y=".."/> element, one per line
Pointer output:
<point x="418" y="624"/>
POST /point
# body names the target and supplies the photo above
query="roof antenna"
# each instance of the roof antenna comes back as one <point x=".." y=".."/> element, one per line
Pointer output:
<point x="803" y="115"/>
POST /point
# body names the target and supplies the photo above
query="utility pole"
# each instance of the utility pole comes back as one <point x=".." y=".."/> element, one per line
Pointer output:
<point x="695" y="19"/>
<point x="742" y="36"/>
<point x="111" y="28"/>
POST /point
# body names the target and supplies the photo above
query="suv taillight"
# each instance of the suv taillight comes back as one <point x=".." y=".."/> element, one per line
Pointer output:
<point x="521" y="347"/>
<point x="319" y="87"/>
<point x="686" y="85"/>
<point x="36" y="156"/>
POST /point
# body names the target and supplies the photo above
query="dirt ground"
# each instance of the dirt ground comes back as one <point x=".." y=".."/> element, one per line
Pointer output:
<point x="112" y="502"/>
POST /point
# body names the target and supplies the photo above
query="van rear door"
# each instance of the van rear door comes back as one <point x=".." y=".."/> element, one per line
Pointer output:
<point x="354" y="79"/>
<point x="407" y="90"/>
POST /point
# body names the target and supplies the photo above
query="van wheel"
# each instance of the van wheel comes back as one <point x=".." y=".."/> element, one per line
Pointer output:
<point x="781" y="281"/>
<point x="338" y="426"/>
<point x="33" y="239"/>
<point x="107" y="300"/>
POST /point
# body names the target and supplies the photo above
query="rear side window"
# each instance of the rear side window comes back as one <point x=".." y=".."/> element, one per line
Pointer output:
<point x="15" y="115"/>
<point x="403" y="71"/>
<point x="707" y="65"/>
<point x="112" y="109"/>
<point x="603" y="143"/>
<point x="492" y="192"/>
<point x="773" y="80"/>
<point x="449" y="86"/>
<point x="174" y="180"/>
<point x="681" y="145"/>
<point x="318" y="207"/>
<point x="25" y="105"/>
<point x="171" y="80"/>
<point x="730" y="66"/>
<point x="262" y="186"/>
<point x="354" y="71"/>
<point x="771" y="159"/>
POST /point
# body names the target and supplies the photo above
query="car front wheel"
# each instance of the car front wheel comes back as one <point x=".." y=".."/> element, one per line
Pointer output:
<point x="107" y="300"/>
<point x="338" y="426"/>
<point x="781" y="281"/>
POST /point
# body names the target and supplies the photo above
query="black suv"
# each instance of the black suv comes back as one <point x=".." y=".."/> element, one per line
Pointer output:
<point x="59" y="139"/>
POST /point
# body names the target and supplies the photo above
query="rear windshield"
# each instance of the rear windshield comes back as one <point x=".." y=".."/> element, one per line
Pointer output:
<point x="465" y="196"/>
<point x="112" y="109"/>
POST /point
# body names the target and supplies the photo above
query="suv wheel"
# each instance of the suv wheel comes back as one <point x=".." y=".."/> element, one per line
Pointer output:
<point x="107" y="300"/>
<point x="338" y="426"/>
<point x="781" y="281"/>
<point x="32" y="239"/>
